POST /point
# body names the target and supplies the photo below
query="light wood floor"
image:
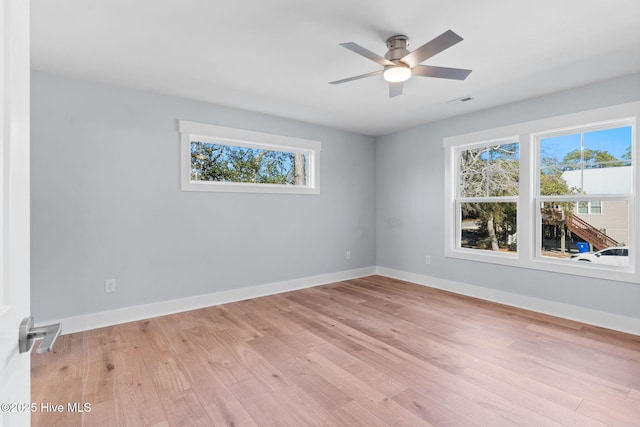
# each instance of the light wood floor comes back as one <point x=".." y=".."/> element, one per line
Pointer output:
<point x="369" y="352"/>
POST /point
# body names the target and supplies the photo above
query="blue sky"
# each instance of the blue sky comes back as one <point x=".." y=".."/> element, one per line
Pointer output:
<point x="615" y="141"/>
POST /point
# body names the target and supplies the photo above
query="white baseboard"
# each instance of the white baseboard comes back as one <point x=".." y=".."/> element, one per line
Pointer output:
<point x="139" y="312"/>
<point x="129" y="314"/>
<point x="613" y="321"/>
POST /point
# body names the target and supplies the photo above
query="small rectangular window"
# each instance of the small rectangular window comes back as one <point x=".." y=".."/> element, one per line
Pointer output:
<point x="216" y="158"/>
<point x="230" y="163"/>
<point x="583" y="208"/>
<point x="589" y="208"/>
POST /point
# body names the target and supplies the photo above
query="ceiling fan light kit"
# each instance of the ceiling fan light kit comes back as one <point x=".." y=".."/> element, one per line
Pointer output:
<point x="396" y="73"/>
<point x="400" y="64"/>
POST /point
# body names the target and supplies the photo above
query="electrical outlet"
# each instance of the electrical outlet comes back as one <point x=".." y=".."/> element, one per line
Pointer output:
<point x="109" y="286"/>
<point x="427" y="259"/>
<point x="348" y="255"/>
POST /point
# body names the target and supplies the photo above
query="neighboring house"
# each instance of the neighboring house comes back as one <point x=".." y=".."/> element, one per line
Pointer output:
<point x="608" y="217"/>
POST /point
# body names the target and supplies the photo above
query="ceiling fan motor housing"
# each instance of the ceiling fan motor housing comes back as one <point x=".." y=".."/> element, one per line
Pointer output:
<point x="397" y="46"/>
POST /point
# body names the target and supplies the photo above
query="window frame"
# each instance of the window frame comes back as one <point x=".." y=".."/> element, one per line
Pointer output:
<point x="213" y="134"/>
<point x="528" y="213"/>
<point x="459" y="200"/>
<point x="582" y="128"/>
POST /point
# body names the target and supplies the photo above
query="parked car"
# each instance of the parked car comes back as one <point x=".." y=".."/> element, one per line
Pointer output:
<point x="618" y="256"/>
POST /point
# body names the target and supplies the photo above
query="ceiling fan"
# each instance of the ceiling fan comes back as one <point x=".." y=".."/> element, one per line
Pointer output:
<point x="400" y="64"/>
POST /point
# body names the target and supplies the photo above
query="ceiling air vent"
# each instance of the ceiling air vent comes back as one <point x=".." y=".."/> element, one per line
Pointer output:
<point x="458" y="100"/>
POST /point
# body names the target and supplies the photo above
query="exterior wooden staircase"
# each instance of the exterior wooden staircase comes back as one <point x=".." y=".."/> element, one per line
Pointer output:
<point x="588" y="233"/>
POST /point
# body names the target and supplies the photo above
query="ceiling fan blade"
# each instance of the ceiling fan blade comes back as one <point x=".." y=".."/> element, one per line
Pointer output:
<point x="395" y="89"/>
<point x="366" y="53"/>
<point x="429" y="49"/>
<point x="440" y="72"/>
<point x="361" y="76"/>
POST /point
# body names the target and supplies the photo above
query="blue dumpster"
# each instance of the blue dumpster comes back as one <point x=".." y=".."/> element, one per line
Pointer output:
<point x="582" y="247"/>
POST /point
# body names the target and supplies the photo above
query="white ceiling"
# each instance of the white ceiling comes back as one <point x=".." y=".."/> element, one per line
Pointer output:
<point x="277" y="56"/>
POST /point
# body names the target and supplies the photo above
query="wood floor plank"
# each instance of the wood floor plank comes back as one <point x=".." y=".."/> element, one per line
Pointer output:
<point x="620" y="406"/>
<point x="63" y="367"/>
<point x="371" y="351"/>
<point x="220" y="404"/>
<point x="510" y="380"/>
<point x="457" y="394"/>
<point x="100" y="377"/>
<point x="576" y="382"/>
<point x="432" y="411"/>
<point x="596" y="346"/>
<point x="304" y="407"/>
<point x="260" y="403"/>
<point x="353" y="414"/>
<point x="298" y="372"/>
<point x="373" y="400"/>
<point x="370" y="375"/>
<point x="610" y="415"/>
<point x="624" y="372"/>
<point x="183" y="408"/>
<point x="520" y="396"/>
<point x="136" y="396"/>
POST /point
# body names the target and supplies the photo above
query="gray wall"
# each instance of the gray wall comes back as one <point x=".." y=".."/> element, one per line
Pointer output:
<point x="410" y="213"/>
<point x="106" y="203"/>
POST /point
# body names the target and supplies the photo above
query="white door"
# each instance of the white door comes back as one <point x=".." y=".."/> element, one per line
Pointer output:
<point x="14" y="210"/>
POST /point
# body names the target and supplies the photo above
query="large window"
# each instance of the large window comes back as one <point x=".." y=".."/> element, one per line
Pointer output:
<point x="487" y="196"/>
<point x="587" y="161"/>
<point x="216" y="158"/>
<point x="555" y="194"/>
